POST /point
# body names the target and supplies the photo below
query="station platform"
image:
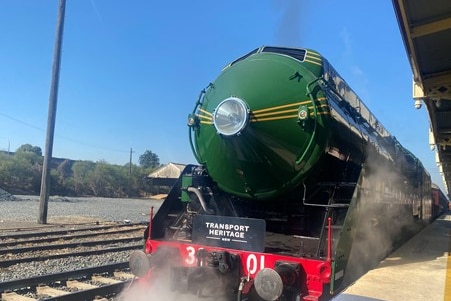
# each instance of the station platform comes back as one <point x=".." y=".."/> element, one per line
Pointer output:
<point x="419" y="270"/>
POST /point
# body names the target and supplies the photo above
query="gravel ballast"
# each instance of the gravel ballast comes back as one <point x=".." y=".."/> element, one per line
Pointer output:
<point x="22" y="212"/>
<point x="60" y="209"/>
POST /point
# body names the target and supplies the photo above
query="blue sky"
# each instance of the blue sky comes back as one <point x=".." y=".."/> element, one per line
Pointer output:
<point x="131" y="71"/>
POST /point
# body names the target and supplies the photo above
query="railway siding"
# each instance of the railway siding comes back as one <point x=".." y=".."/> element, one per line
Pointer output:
<point x="71" y="221"/>
<point x="85" y="284"/>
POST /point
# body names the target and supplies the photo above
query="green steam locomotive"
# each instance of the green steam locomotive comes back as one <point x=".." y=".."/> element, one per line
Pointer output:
<point x="299" y="188"/>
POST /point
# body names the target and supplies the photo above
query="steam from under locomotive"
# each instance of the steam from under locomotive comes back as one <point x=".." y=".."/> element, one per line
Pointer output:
<point x="383" y="227"/>
<point x="288" y="152"/>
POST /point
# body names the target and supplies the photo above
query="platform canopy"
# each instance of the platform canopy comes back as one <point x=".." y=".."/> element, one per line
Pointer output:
<point x="425" y="27"/>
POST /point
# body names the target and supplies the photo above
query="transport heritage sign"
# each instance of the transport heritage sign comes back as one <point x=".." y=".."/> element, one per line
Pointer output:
<point x="229" y="232"/>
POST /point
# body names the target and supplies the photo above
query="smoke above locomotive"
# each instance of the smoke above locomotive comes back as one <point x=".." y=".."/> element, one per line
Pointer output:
<point x="299" y="189"/>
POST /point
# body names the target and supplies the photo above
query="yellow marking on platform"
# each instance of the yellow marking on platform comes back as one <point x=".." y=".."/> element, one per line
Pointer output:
<point x="448" y="272"/>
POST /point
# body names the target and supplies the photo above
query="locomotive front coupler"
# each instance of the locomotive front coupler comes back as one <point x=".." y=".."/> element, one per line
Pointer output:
<point x="217" y="273"/>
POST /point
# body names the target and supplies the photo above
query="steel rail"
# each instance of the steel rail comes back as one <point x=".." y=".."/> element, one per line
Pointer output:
<point x="16" y="251"/>
<point x="32" y="282"/>
<point x="66" y="237"/>
<point x="9" y="262"/>
<point x="61" y="232"/>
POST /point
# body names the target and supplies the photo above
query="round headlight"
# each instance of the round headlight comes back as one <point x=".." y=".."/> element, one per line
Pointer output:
<point x="268" y="284"/>
<point x="231" y="116"/>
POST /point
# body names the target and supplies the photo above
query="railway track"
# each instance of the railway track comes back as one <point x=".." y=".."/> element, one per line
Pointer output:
<point x="41" y="246"/>
<point x="41" y="234"/>
<point x="96" y="283"/>
<point x="13" y="240"/>
<point x="44" y="248"/>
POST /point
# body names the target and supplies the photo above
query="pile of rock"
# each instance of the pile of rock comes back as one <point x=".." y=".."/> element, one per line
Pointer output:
<point x="6" y="196"/>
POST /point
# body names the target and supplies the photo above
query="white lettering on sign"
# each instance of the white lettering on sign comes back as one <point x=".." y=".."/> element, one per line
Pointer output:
<point x="232" y="227"/>
<point x="253" y="264"/>
<point x="226" y="231"/>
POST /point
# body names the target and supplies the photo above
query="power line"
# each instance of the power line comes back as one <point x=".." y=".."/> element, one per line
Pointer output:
<point x="65" y="137"/>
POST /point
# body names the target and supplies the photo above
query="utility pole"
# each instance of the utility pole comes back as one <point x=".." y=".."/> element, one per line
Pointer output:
<point x="45" y="180"/>
<point x="130" y="165"/>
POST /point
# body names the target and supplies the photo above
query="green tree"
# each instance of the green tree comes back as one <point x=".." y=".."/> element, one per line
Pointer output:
<point x="61" y="178"/>
<point x="25" y="172"/>
<point x="65" y="169"/>
<point x="6" y="162"/>
<point x="149" y="159"/>
<point x="109" y="180"/>
<point x="82" y="174"/>
<point x="21" y="173"/>
<point x="28" y="148"/>
<point x="137" y="184"/>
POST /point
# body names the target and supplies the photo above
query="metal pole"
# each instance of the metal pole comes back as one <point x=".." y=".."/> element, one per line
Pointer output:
<point x="45" y="180"/>
<point x="130" y="164"/>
